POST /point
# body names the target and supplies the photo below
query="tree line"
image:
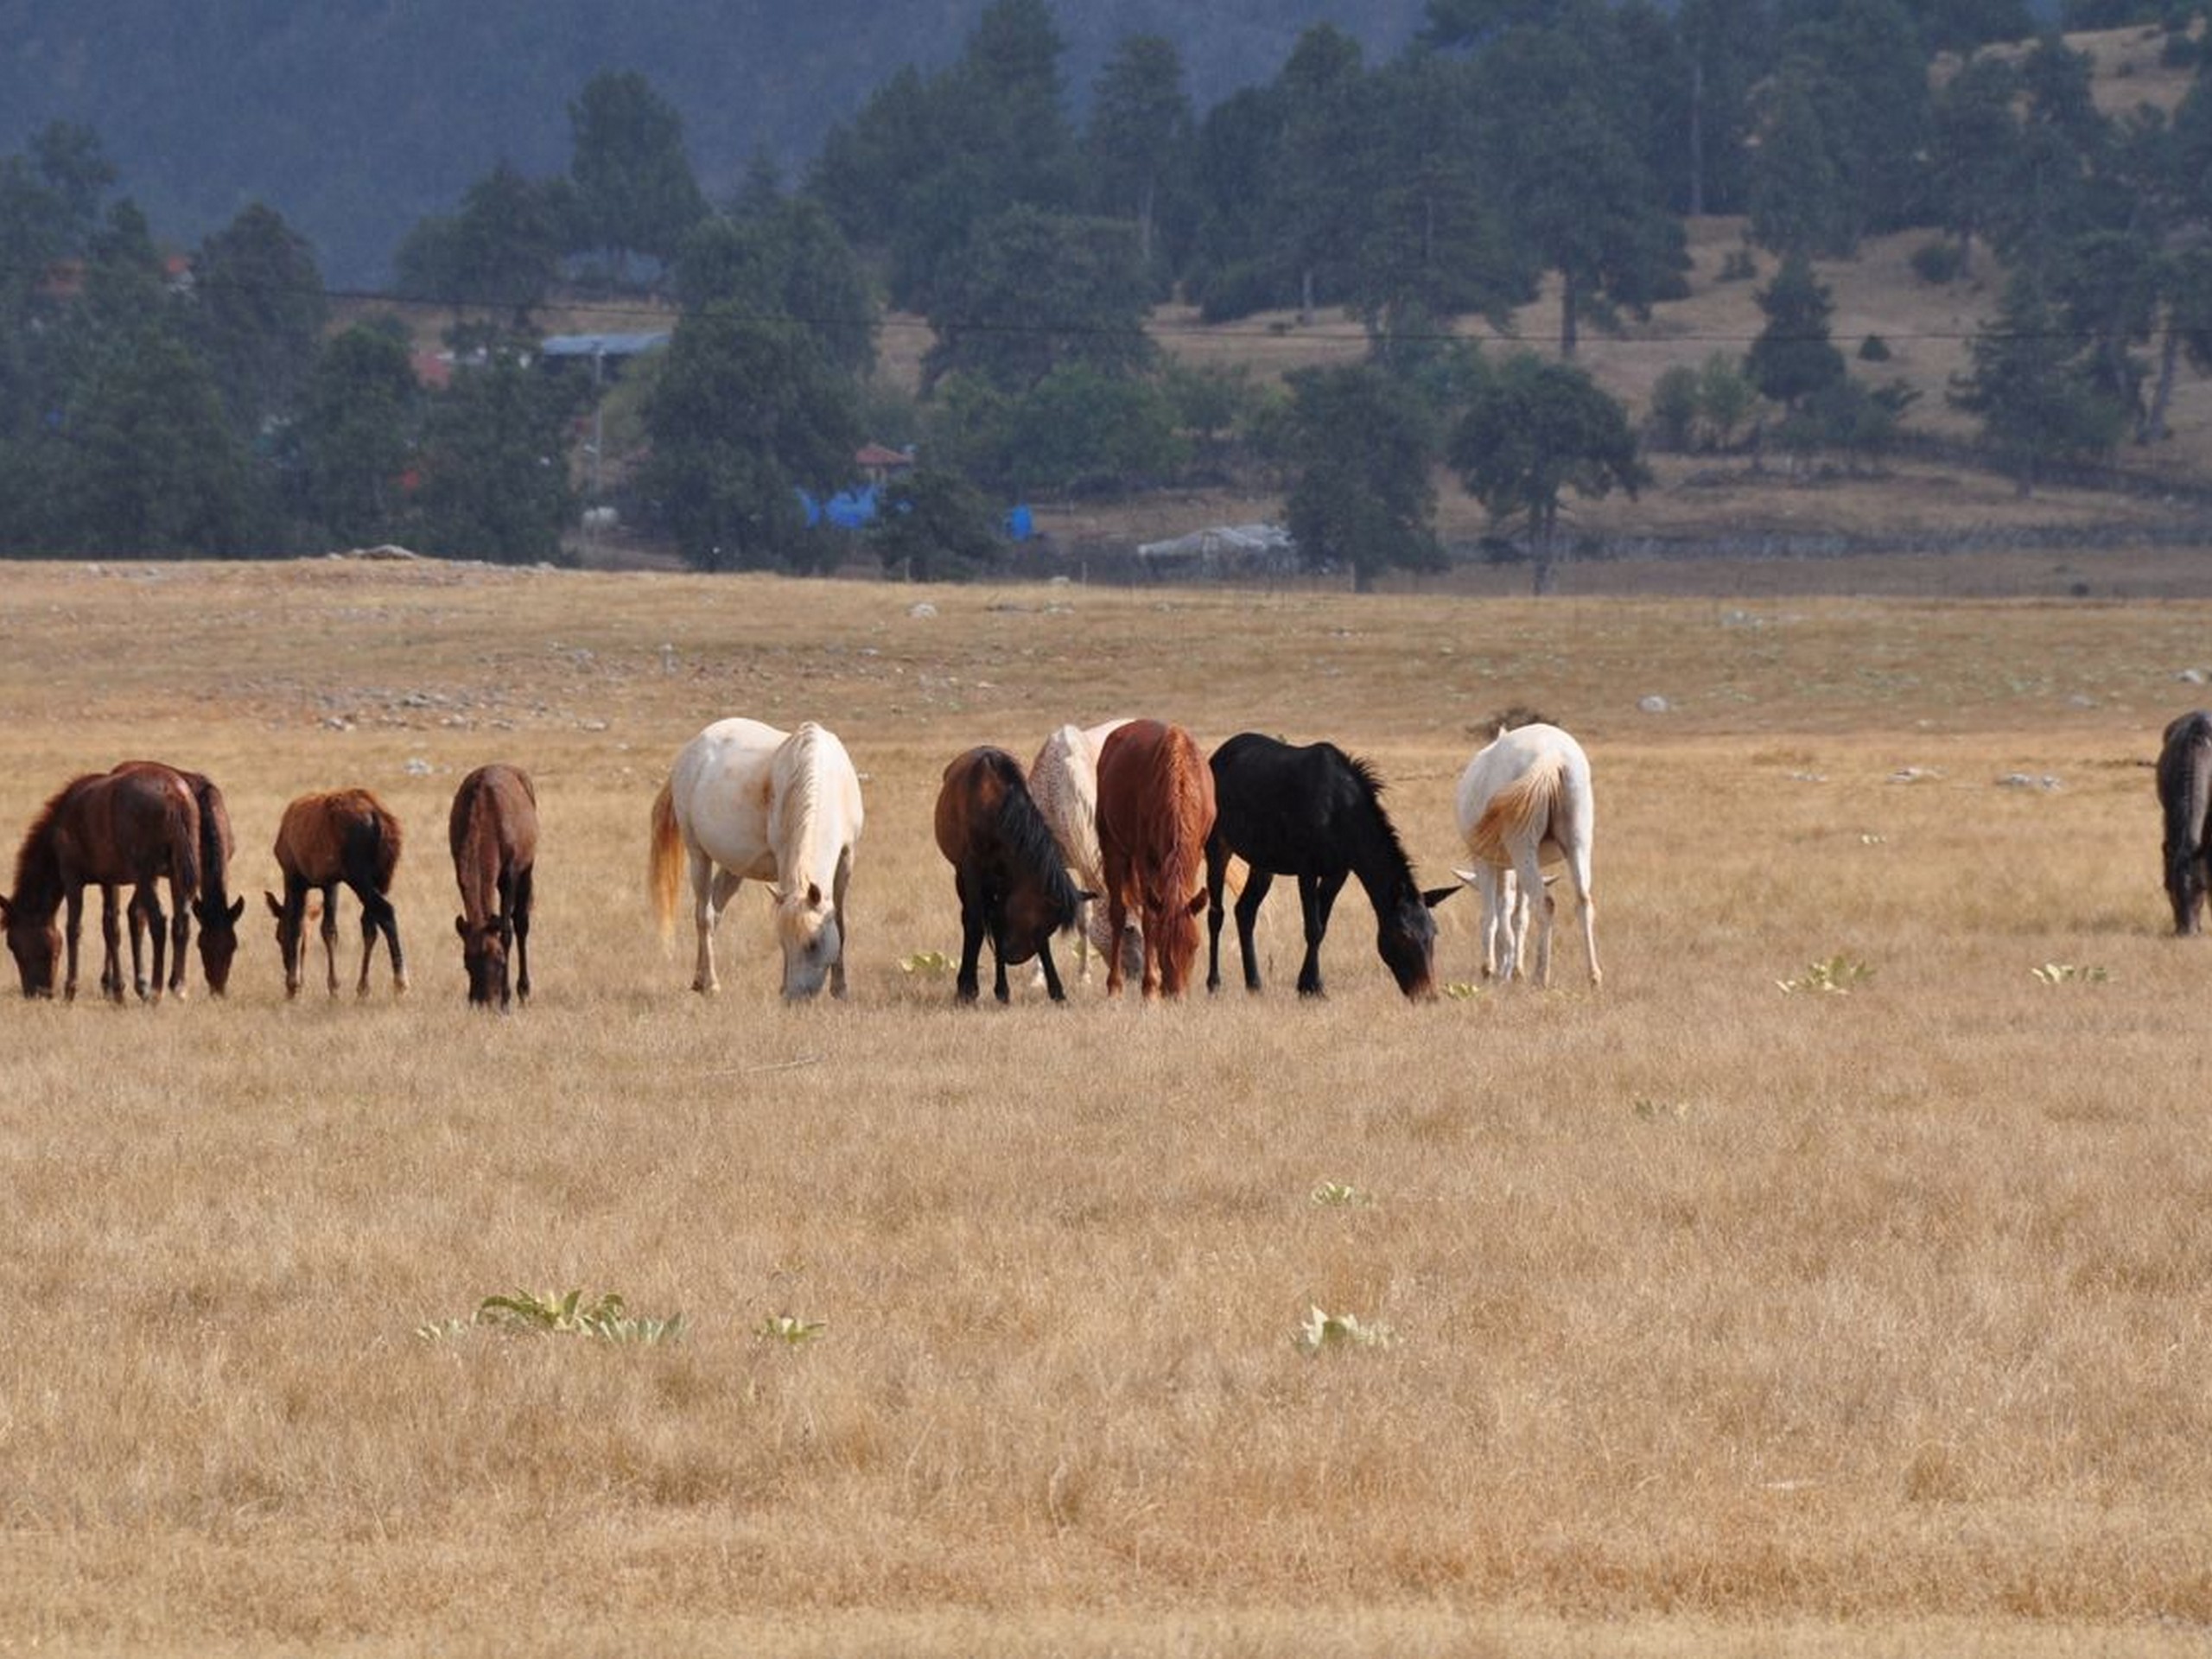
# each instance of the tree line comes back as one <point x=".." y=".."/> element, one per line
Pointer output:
<point x="212" y="409"/>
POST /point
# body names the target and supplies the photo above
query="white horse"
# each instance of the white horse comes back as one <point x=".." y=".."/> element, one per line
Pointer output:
<point x="744" y="801"/>
<point x="1524" y="799"/>
<point x="1064" y="782"/>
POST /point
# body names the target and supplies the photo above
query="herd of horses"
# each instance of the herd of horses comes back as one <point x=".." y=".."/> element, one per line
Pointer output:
<point x="1125" y="832"/>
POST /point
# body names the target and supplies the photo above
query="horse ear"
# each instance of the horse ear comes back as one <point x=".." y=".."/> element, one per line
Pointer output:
<point x="3" y="909"/>
<point x="460" y="925"/>
<point x="1084" y="895"/>
<point x="236" y="910"/>
<point x="1435" y="896"/>
<point x="275" y="909"/>
<point x="1197" y="904"/>
<point x="1469" y="876"/>
<point x="813" y="895"/>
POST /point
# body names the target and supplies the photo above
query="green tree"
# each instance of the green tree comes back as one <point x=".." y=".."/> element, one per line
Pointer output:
<point x="783" y="257"/>
<point x="1578" y="192"/>
<point x="1361" y="448"/>
<point x="1794" y="357"/>
<point x="1976" y="142"/>
<point x="2026" y="382"/>
<point x="359" y="417"/>
<point x="1533" y="430"/>
<point x="1034" y="291"/>
<point x="145" y="462"/>
<point x="493" y="464"/>
<point x="1799" y="201"/>
<point x="258" y="310"/>
<point x="635" y="192"/>
<point x="1320" y="196"/>
<point x="934" y="526"/>
<point x="1866" y="73"/>
<point x="743" y="416"/>
<point x="1140" y="135"/>
<point x="501" y="251"/>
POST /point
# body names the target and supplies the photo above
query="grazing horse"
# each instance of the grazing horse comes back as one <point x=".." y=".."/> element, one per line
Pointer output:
<point x="1155" y="811"/>
<point x="748" y="801"/>
<point x="215" y="911"/>
<point x="1314" y="813"/>
<point x="1063" y="781"/>
<point x="494" y="834"/>
<point x="134" y="826"/>
<point x="1523" y="798"/>
<point x="340" y="834"/>
<point x="2185" y="795"/>
<point x="1007" y="867"/>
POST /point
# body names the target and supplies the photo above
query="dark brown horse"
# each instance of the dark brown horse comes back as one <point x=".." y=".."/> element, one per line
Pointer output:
<point x="340" y="834"/>
<point x="1155" y="811"/>
<point x="493" y="832"/>
<point x="215" y="911"/>
<point x="2185" y="803"/>
<point x="132" y="827"/>
<point x="1013" y="881"/>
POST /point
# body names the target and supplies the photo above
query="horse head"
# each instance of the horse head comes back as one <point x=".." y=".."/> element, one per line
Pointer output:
<point x="1405" y="938"/>
<point x="35" y="945"/>
<point x="807" y="927"/>
<point x="484" y="954"/>
<point x="219" y="940"/>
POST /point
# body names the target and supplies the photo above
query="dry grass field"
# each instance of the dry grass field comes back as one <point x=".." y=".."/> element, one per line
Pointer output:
<point x="1722" y="1321"/>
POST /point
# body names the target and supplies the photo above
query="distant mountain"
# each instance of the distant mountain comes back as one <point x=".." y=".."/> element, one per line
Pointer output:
<point x="354" y="118"/>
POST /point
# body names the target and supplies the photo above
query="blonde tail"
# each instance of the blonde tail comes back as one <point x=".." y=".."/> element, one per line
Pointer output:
<point x="1521" y="810"/>
<point x="665" y="862"/>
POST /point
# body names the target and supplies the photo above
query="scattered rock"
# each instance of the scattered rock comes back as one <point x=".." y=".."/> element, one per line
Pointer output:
<point x="2028" y="780"/>
<point x="2191" y="677"/>
<point x="1914" y="774"/>
<point x="1655" y="704"/>
<point x="921" y="608"/>
<point x="417" y="767"/>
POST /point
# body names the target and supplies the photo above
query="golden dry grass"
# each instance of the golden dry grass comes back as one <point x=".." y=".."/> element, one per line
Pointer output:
<point x="1727" y="1321"/>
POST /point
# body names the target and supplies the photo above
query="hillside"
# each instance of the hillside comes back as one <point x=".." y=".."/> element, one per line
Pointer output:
<point x="356" y="117"/>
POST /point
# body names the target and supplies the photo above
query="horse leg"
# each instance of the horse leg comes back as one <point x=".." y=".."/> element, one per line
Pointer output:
<point x="1117" y="915"/>
<point x="1317" y="897"/>
<point x="146" y="908"/>
<point x="72" y="926"/>
<point x="964" y="987"/>
<point x="1155" y="951"/>
<point x="1248" y="915"/>
<point x="838" y="883"/>
<point x="110" y="936"/>
<point x="711" y="891"/>
<point x="179" y="937"/>
<point x="998" y="957"/>
<point x="330" y="937"/>
<point x="1052" y="987"/>
<point x="1216" y="871"/>
<point x="520" y="916"/>
<point x="1082" y="944"/>
<point x="1535" y="896"/>
<point x="378" y="917"/>
<point x="1579" y="865"/>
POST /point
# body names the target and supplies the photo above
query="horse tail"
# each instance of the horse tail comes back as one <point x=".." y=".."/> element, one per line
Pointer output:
<point x="1522" y="812"/>
<point x="2185" y="785"/>
<point x="664" y="859"/>
<point x="383" y="828"/>
<point x="185" y="829"/>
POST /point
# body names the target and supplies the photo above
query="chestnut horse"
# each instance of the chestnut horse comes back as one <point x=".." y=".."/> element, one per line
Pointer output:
<point x="1007" y="866"/>
<point x="215" y="911"/>
<point x="493" y="832"/>
<point x="746" y="801"/>
<point x="136" y="825"/>
<point x="1155" y="811"/>
<point x="339" y="835"/>
<point x="2185" y="803"/>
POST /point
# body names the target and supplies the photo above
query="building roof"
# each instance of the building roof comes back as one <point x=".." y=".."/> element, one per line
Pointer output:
<point x="602" y="345"/>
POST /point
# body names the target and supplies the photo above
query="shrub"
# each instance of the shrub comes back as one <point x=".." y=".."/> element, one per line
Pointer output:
<point x="1935" y="263"/>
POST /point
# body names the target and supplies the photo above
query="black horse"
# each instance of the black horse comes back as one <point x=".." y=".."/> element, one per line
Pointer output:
<point x="1315" y="813"/>
<point x="1013" y="882"/>
<point x="2185" y="795"/>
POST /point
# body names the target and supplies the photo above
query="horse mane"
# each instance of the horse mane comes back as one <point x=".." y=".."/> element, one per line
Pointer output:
<point x="1370" y="783"/>
<point x="1030" y="842"/>
<point x="38" y="867"/>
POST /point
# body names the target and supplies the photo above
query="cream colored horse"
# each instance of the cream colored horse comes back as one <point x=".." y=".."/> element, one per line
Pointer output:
<point x="746" y="801"/>
<point x="1525" y="800"/>
<point x="1064" y="782"/>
